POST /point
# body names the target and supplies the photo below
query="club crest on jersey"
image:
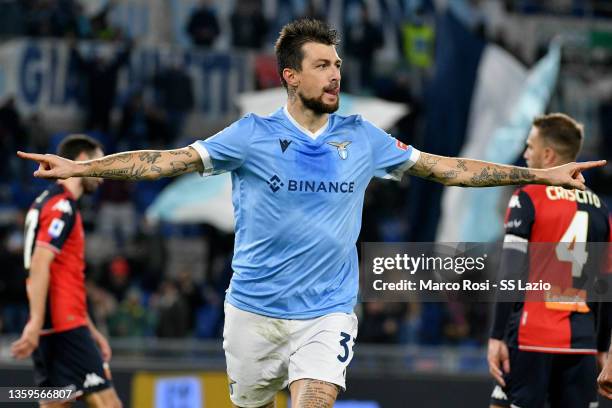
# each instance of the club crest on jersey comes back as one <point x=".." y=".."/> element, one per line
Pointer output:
<point x="341" y="146"/>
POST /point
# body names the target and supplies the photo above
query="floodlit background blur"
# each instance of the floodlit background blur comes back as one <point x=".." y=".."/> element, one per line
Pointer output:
<point x="451" y="77"/>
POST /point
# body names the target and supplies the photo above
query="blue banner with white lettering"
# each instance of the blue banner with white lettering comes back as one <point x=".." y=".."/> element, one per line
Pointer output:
<point x="43" y="77"/>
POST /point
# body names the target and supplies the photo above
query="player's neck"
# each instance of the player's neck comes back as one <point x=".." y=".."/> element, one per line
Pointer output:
<point x="305" y="117"/>
<point x="73" y="185"/>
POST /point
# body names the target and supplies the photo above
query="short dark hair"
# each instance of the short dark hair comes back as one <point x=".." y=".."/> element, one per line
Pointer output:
<point x="562" y="133"/>
<point x="73" y="145"/>
<point x="294" y="35"/>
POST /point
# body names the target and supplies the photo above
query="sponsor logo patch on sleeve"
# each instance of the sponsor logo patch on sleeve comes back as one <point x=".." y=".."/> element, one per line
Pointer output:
<point x="401" y="146"/>
<point x="56" y="227"/>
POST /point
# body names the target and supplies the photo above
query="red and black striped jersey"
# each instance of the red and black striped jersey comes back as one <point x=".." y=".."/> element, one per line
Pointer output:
<point x="54" y="222"/>
<point x="565" y="219"/>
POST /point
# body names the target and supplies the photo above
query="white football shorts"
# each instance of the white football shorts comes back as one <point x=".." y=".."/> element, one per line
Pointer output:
<point x="265" y="354"/>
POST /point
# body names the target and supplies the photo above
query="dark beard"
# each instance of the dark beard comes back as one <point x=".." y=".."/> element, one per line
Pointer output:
<point x="317" y="106"/>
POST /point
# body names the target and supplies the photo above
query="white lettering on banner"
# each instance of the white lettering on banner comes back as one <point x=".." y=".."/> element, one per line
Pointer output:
<point x="41" y="76"/>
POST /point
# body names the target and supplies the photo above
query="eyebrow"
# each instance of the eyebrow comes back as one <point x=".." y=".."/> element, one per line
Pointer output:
<point x="326" y="60"/>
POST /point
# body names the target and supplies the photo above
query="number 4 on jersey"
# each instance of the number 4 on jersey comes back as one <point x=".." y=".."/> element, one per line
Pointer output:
<point x="572" y="247"/>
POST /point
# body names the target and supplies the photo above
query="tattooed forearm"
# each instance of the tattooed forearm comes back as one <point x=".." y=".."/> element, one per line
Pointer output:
<point x="470" y="173"/>
<point x="424" y="167"/>
<point x="143" y="165"/>
<point x="180" y="153"/>
<point x="449" y="175"/>
<point x="499" y="176"/>
<point x="149" y="157"/>
<point x="521" y="174"/>
<point x="482" y="178"/>
<point x="181" y="167"/>
<point x="107" y="161"/>
<point x="126" y="173"/>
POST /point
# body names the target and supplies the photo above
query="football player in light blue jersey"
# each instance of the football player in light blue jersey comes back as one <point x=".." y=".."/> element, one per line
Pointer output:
<point x="299" y="177"/>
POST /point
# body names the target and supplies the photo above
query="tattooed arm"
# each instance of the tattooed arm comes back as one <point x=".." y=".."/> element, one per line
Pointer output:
<point x="452" y="171"/>
<point x="135" y="165"/>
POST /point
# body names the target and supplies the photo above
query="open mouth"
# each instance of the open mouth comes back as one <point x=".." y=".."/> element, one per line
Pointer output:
<point x="333" y="91"/>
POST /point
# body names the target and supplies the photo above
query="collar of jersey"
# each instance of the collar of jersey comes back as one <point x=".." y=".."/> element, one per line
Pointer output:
<point x="313" y="136"/>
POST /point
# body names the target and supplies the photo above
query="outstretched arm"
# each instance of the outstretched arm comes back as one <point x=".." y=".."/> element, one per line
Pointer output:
<point x="452" y="171"/>
<point x="135" y="165"/>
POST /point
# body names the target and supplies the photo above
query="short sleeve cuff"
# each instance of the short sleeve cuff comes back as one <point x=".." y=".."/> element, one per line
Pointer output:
<point x="399" y="171"/>
<point x="414" y="157"/>
<point x="205" y="157"/>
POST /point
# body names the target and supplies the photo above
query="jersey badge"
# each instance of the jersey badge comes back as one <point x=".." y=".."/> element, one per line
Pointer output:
<point x="341" y="146"/>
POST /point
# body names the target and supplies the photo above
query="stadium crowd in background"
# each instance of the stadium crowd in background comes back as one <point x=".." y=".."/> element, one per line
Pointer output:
<point x="137" y="284"/>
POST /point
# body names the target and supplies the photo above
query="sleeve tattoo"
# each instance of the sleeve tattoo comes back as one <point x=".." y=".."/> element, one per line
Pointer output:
<point x="143" y="165"/>
<point x="469" y="173"/>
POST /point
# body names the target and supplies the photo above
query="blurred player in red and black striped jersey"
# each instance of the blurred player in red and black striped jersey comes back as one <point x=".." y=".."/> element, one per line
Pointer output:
<point x="545" y="350"/>
<point x="67" y="349"/>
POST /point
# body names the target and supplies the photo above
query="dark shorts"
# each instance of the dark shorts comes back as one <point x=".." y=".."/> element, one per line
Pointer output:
<point x="564" y="380"/>
<point x="70" y="359"/>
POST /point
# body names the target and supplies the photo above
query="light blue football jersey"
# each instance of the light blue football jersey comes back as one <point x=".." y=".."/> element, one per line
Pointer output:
<point x="297" y="206"/>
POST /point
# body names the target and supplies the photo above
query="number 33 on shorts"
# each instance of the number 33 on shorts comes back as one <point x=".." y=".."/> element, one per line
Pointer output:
<point x="345" y="339"/>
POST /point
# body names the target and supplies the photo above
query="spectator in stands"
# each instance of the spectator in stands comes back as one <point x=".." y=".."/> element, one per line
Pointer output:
<point x="13" y="136"/>
<point x="116" y="218"/>
<point x="249" y="26"/>
<point x="313" y="11"/>
<point x="117" y="278"/>
<point x="12" y="18"/>
<point x="101" y="29"/>
<point x="11" y="126"/>
<point x="174" y="90"/>
<point x="149" y="255"/>
<point x="203" y="26"/>
<point x="53" y="18"/>
<point x="142" y="125"/>
<point x="102" y="305"/>
<point x="172" y="311"/>
<point x="131" y="319"/>
<point x="13" y="298"/>
<point x="37" y="132"/>
<point x="191" y="293"/>
<point x="361" y="40"/>
<point x="100" y="74"/>
<point x="381" y="322"/>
